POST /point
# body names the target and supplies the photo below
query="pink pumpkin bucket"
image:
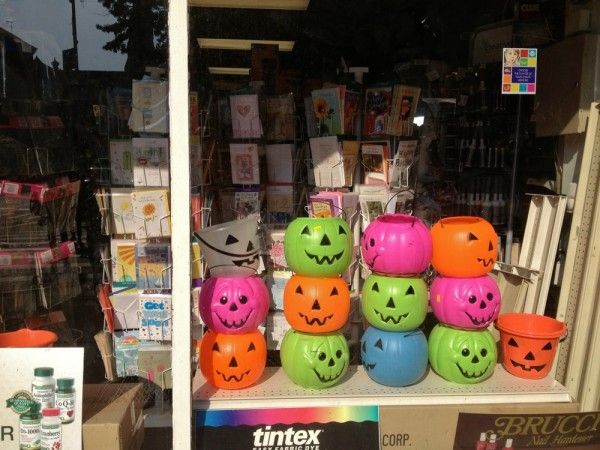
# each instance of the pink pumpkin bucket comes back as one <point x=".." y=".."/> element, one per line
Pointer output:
<point x="396" y="244"/>
<point x="529" y="343"/>
<point x="469" y="303"/>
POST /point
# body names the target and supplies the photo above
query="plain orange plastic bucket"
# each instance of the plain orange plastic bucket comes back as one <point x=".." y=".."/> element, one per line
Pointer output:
<point x="25" y="338"/>
<point x="529" y="343"/>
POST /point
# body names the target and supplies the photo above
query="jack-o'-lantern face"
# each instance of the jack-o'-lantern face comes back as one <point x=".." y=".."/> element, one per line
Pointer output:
<point x="394" y="303"/>
<point x="534" y="356"/>
<point x="464" y="247"/>
<point x="318" y="247"/>
<point x="394" y="358"/>
<point x="314" y="361"/>
<point x="465" y="302"/>
<point x="396" y="244"/>
<point x="316" y="305"/>
<point x="462" y="356"/>
<point x="232" y="361"/>
<point x="234" y="304"/>
<point x="231" y="247"/>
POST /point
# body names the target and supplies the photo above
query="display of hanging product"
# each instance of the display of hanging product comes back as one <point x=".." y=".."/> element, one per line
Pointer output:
<point x="39" y="277"/>
<point x="35" y="214"/>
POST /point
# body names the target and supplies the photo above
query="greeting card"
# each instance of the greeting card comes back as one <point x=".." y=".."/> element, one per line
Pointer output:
<point x="123" y="263"/>
<point x="155" y="317"/>
<point x="377" y="109"/>
<point x="153" y="266"/>
<point x="151" y="162"/>
<point x="149" y="111"/>
<point x="151" y="213"/>
<point x="327" y="106"/>
<point x="328" y="163"/>
<point x="403" y="109"/>
<point x="280" y="163"/>
<point x="121" y="162"/>
<point x="245" y="119"/>
<point x="375" y="162"/>
<point x="280" y="118"/>
<point x="122" y="220"/>
<point x="246" y="203"/>
<point x="244" y="164"/>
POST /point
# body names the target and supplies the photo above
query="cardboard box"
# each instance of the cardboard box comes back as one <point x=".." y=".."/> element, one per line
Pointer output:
<point x="113" y="416"/>
<point x="434" y="427"/>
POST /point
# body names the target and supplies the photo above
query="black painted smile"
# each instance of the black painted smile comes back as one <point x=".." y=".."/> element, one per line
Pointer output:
<point x="234" y="324"/>
<point x="369" y="367"/>
<point x="388" y="319"/>
<point x="327" y="259"/>
<point x="476" y="321"/>
<point x="486" y="262"/>
<point x="233" y="377"/>
<point x="472" y="375"/>
<point x="241" y="262"/>
<point x="527" y="368"/>
<point x="316" y="320"/>
<point x="325" y="379"/>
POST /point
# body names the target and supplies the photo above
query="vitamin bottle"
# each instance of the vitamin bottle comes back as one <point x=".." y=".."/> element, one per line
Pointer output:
<point x="492" y="444"/>
<point x="65" y="399"/>
<point x="482" y="442"/>
<point x="29" y="428"/>
<point x="42" y="387"/>
<point x="51" y="429"/>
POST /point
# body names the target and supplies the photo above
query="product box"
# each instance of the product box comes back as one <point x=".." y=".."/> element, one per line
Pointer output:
<point x="113" y="416"/>
<point x="434" y="427"/>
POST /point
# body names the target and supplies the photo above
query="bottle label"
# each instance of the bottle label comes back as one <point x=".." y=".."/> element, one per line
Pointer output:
<point x="66" y="403"/>
<point x="51" y="437"/>
<point x="44" y="395"/>
<point x="29" y="434"/>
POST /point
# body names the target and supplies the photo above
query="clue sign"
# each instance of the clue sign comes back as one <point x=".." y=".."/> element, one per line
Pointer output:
<point x="519" y="70"/>
<point x="327" y="428"/>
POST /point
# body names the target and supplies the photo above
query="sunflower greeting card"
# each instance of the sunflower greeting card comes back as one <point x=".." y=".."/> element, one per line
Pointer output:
<point x="151" y="213"/>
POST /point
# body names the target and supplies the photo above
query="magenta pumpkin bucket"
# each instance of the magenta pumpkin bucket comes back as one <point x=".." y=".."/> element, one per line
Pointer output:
<point x="469" y="303"/>
<point x="234" y="305"/>
<point x="396" y="244"/>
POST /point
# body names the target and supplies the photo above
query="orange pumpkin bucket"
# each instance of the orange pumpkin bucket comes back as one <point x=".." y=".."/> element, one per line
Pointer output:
<point x="25" y="338"/>
<point x="529" y="343"/>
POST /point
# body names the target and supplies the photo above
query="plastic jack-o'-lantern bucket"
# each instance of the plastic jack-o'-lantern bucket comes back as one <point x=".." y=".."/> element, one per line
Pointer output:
<point x="529" y="343"/>
<point x="25" y="338"/>
<point x="231" y="248"/>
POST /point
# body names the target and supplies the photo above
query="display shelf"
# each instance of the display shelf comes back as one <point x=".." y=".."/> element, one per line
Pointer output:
<point x="275" y="390"/>
<point x="158" y="416"/>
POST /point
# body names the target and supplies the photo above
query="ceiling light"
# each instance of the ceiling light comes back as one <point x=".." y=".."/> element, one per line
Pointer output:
<point x="229" y="71"/>
<point x="242" y="44"/>
<point x="295" y="5"/>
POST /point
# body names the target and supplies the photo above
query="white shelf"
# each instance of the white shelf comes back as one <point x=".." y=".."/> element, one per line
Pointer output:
<point x="275" y="390"/>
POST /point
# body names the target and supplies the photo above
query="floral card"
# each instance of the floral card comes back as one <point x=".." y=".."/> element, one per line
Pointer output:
<point x="244" y="164"/>
<point x="151" y="213"/>
<point x="245" y="119"/>
<point x="123" y="263"/>
<point x="122" y="221"/>
<point x="327" y="107"/>
<point x="151" y="162"/>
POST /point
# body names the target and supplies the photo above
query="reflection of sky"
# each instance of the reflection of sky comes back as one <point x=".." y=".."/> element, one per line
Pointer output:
<point x="46" y="24"/>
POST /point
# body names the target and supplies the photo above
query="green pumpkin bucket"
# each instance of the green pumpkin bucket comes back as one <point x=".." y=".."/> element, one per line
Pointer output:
<point x="314" y="361"/>
<point x="462" y="356"/>
<point x="318" y="247"/>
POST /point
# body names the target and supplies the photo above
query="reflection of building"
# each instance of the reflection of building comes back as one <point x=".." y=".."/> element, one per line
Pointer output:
<point x="23" y="75"/>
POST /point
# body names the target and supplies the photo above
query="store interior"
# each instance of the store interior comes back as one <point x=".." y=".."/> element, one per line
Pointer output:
<point x="333" y="110"/>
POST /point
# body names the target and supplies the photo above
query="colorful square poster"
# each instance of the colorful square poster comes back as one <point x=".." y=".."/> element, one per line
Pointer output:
<point x="519" y="71"/>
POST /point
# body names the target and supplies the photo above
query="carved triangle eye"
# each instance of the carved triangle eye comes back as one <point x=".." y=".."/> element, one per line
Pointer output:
<point x="472" y="237"/>
<point x="299" y="290"/>
<point x="375" y="287"/>
<point x="231" y="240"/>
<point x="341" y="230"/>
<point x="410" y="291"/>
<point x="215" y="348"/>
<point x="512" y="343"/>
<point x="251" y="347"/>
<point x="334" y="291"/>
<point x="379" y="344"/>
<point x="305" y="231"/>
<point x="548" y="346"/>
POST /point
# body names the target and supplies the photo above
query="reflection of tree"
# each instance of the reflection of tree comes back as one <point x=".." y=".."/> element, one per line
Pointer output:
<point x="140" y="32"/>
